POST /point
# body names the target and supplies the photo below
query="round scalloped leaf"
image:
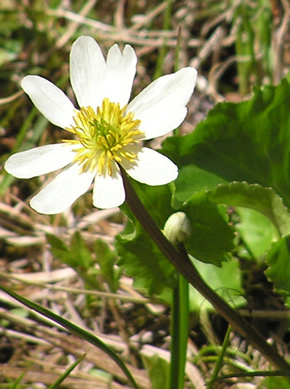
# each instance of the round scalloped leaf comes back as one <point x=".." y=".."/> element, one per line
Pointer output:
<point x="248" y="141"/>
<point x="263" y="200"/>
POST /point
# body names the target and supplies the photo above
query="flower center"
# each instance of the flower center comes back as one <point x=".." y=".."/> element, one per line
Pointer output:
<point x="105" y="137"/>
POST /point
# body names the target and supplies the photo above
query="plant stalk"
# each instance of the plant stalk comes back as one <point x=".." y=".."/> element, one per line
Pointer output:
<point x="179" y="333"/>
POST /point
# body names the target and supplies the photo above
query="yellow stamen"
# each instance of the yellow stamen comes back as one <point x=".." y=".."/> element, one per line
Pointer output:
<point x="106" y="136"/>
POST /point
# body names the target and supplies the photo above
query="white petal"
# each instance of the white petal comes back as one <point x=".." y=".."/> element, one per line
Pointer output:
<point x="161" y="119"/>
<point x="161" y="106"/>
<point x="108" y="191"/>
<point x="120" y="73"/>
<point x="153" y="168"/>
<point x="49" y="100"/>
<point x="40" y="160"/>
<point x="87" y="68"/>
<point x="62" y="191"/>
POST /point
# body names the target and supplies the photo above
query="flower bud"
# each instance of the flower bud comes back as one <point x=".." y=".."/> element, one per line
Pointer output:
<point x="177" y="228"/>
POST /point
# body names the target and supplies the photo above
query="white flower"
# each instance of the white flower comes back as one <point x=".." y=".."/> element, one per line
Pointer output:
<point x="108" y="132"/>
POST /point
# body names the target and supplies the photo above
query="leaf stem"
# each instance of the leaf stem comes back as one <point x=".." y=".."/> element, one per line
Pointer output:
<point x="179" y="333"/>
<point x="180" y="260"/>
<point x="220" y="359"/>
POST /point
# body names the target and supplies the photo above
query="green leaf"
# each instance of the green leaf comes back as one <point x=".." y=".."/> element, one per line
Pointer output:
<point x="15" y="384"/>
<point x="254" y="196"/>
<point x="275" y="383"/>
<point x="257" y="232"/>
<point x="158" y="370"/>
<point x="225" y="281"/>
<point x="279" y="265"/>
<point x="76" y="255"/>
<point x="211" y="240"/>
<point x="156" y="199"/>
<point x="67" y="372"/>
<point x="211" y="236"/>
<point x="248" y="141"/>
<point x="107" y="258"/>
<point x="142" y="260"/>
<point x="191" y="180"/>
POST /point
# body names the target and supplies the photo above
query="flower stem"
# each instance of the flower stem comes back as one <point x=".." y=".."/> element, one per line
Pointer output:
<point x="179" y="333"/>
<point x="180" y="260"/>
